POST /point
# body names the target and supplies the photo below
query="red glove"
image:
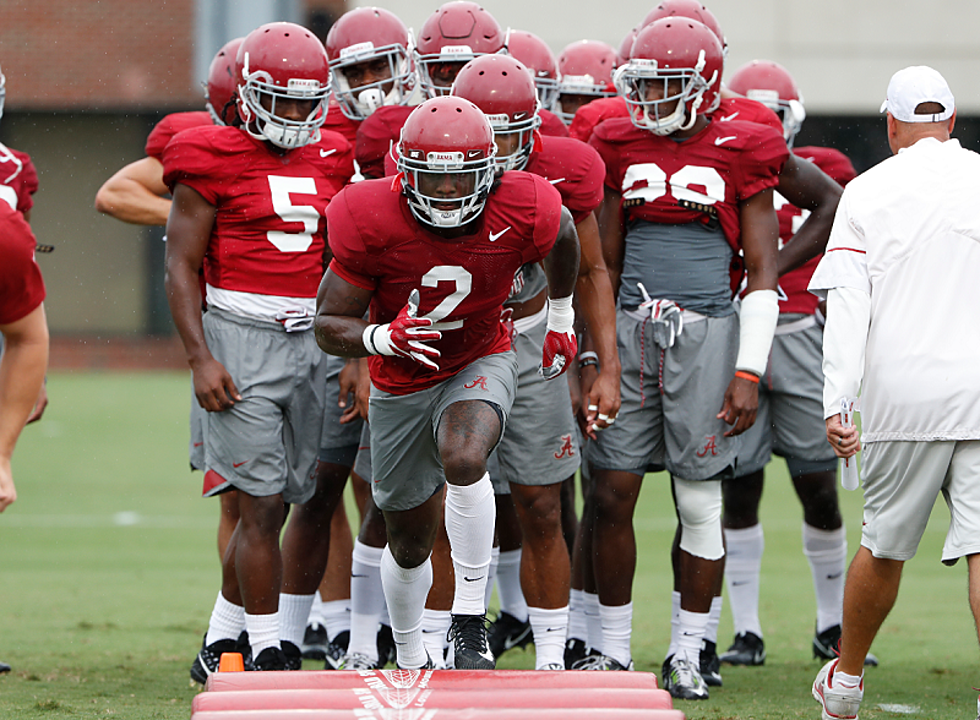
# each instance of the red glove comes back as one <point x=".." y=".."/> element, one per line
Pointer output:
<point x="560" y="344"/>
<point x="405" y="336"/>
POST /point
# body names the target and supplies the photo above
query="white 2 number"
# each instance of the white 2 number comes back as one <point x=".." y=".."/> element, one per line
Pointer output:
<point x="464" y="283"/>
<point x="652" y="183"/>
<point x="281" y="188"/>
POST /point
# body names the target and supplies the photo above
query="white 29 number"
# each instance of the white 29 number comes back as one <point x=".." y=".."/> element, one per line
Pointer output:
<point x="463" y="283"/>
<point x="281" y="188"/>
<point x="654" y="183"/>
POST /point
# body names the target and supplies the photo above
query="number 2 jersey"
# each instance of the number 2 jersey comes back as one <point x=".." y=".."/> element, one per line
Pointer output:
<point x="267" y="238"/>
<point x="379" y="245"/>
<point x="680" y="205"/>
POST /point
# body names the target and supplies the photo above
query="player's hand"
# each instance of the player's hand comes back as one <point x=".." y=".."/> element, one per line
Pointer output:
<point x="40" y="405"/>
<point x="346" y="399"/>
<point x="603" y="402"/>
<point x="213" y="386"/>
<point x="740" y="406"/>
<point x="8" y="493"/>
<point x="405" y="336"/>
<point x="666" y="318"/>
<point x="559" y="349"/>
<point x="846" y="442"/>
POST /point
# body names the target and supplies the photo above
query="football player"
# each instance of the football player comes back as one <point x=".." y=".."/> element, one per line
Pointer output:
<point x="435" y="263"/>
<point x="586" y="69"/>
<point x="684" y="194"/>
<point x="249" y="204"/>
<point x="538" y="58"/>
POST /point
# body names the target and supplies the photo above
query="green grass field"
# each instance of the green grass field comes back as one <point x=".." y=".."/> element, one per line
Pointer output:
<point x="108" y="571"/>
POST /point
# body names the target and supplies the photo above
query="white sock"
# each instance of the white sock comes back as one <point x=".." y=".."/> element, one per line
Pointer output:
<point x="593" y="621"/>
<point x="470" y="516"/>
<point x="367" y="600"/>
<point x="692" y="626"/>
<point x="227" y="621"/>
<point x="263" y="631"/>
<point x="742" y="567"/>
<point x="316" y="612"/>
<point x="849" y="681"/>
<point x="826" y="551"/>
<point x="617" y="627"/>
<point x="336" y="617"/>
<point x="714" y="618"/>
<point x="509" y="584"/>
<point x="491" y="574"/>
<point x="675" y="621"/>
<point x="550" y="628"/>
<point x="576" y="616"/>
<point x="435" y="629"/>
<point x="294" y="611"/>
<point x="406" y="590"/>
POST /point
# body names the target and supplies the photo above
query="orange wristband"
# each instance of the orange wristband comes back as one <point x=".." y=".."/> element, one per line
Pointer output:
<point x="746" y="376"/>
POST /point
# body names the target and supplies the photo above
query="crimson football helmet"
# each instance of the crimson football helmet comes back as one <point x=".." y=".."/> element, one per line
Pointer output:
<point x="625" y="47"/>
<point x="672" y="74"/>
<point x="586" y="69"/>
<point x="279" y="62"/>
<point x="538" y="58"/>
<point x="452" y="36"/>
<point x="446" y="161"/>
<point x="222" y="84"/>
<point x="3" y="91"/>
<point x="772" y="85"/>
<point x="502" y="87"/>
<point x="367" y="35"/>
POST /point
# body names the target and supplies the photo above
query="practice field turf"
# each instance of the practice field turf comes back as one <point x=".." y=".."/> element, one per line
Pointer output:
<point x="108" y="571"/>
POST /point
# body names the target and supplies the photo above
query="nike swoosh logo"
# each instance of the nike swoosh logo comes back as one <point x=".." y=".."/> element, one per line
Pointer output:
<point x="736" y="583"/>
<point x="469" y="579"/>
<point x="555" y="182"/>
<point x="494" y="236"/>
<point x="731" y="117"/>
<point x="472" y="153"/>
<point x="430" y="632"/>
<point x="325" y="153"/>
<point x="198" y="444"/>
<point x="236" y="465"/>
<point x="511" y="643"/>
<point x="834" y="576"/>
<point x="357" y="576"/>
<point x="719" y="141"/>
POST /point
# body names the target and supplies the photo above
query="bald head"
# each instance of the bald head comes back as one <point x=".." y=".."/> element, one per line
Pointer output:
<point x="904" y="134"/>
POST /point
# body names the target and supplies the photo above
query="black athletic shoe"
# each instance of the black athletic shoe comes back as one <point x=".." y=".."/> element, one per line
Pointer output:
<point x="272" y="658"/>
<point x="209" y="658"/>
<point x="508" y="632"/>
<point x="468" y="646"/>
<point x="245" y="648"/>
<point x="575" y="652"/>
<point x="387" y="653"/>
<point x="292" y="655"/>
<point x="315" y="642"/>
<point x="748" y="649"/>
<point x="336" y="651"/>
<point x="602" y="662"/>
<point x="710" y="664"/>
<point x="825" y="646"/>
<point x="4" y="668"/>
<point x="683" y="680"/>
<point x="429" y="665"/>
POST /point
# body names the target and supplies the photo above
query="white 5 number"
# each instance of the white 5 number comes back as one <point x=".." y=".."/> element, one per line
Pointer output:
<point x="463" y="281"/>
<point x="649" y="182"/>
<point x="796" y="222"/>
<point x="281" y="187"/>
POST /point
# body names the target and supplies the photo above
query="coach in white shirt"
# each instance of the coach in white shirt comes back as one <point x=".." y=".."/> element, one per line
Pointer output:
<point x="901" y="276"/>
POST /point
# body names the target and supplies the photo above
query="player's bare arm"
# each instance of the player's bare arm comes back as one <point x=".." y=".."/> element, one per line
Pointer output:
<point x="609" y="216"/>
<point x="808" y="187"/>
<point x="760" y="234"/>
<point x="136" y="194"/>
<point x="339" y="324"/>
<point x="188" y="231"/>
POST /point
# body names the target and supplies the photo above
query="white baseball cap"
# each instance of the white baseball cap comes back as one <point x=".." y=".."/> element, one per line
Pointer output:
<point x="914" y="85"/>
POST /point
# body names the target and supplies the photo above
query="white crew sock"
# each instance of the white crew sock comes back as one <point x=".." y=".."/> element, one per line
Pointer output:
<point x="263" y="631"/>
<point x="691" y="634"/>
<point x="714" y="618"/>
<point x="227" y="621"/>
<point x="550" y="628"/>
<point x="406" y="590"/>
<point x="593" y="621"/>
<point x="675" y="621"/>
<point x="435" y="630"/>
<point x="491" y="574"/>
<point x="742" y="567"/>
<point x="470" y="516"/>
<point x="367" y="600"/>
<point x="509" y="584"/>
<point x="294" y="611"/>
<point x="617" y="628"/>
<point x="826" y="551"/>
<point x="336" y="617"/>
<point x="316" y="612"/>
<point x="576" y="616"/>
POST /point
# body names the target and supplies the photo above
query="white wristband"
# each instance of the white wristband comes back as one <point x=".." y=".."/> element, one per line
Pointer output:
<point x="757" y="323"/>
<point x="561" y="315"/>
<point x="376" y="340"/>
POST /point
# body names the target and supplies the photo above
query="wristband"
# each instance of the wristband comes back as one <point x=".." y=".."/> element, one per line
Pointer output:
<point x="587" y="362"/>
<point x="757" y="323"/>
<point x="374" y="343"/>
<point x="588" y="355"/>
<point x="561" y="316"/>
<point x="747" y="376"/>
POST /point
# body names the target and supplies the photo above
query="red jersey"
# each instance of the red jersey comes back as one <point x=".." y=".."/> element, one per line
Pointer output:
<point x="267" y="236"/>
<point x="588" y="117"/>
<point x="379" y="245"/>
<point x="576" y="171"/>
<point x="551" y="124"/>
<point x="339" y="123"/>
<point x="164" y="131"/>
<point x="794" y="283"/>
<point x="378" y="133"/>
<point x="697" y="179"/>
<point x="741" y="108"/>
<point x="18" y="173"/>
<point x="21" y="285"/>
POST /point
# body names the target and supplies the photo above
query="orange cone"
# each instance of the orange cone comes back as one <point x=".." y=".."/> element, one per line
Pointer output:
<point x="231" y="662"/>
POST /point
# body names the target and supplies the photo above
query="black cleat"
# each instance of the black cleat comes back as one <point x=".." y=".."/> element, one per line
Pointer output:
<point x="683" y="680"/>
<point x="336" y="651"/>
<point x="710" y="664"/>
<point x="209" y="658"/>
<point x="272" y="658"/>
<point x="292" y="655"/>
<point x="315" y="642"/>
<point x="825" y="646"/>
<point x="4" y="668"/>
<point x="602" y="662"/>
<point x="468" y="646"/>
<point x="508" y="632"/>
<point x="748" y="649"/>
<point x="387" y="653"/>
<point x="575" y="652"/>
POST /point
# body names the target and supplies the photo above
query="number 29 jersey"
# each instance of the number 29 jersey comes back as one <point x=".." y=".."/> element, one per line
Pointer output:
<point x="379" y="245"/>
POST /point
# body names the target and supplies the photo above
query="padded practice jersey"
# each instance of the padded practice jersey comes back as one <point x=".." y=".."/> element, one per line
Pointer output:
<point x="379" y="245"/>
<point x="18" y="178"/>
<point x="21" y="285"/>
<point x="165" y="130"/>
<point x="267" y="237"/>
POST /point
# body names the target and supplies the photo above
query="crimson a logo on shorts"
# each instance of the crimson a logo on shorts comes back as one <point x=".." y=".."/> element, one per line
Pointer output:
<point x="710" y="446"/>
<point x="567" y="449"/>
<point x="480" y="381"/>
